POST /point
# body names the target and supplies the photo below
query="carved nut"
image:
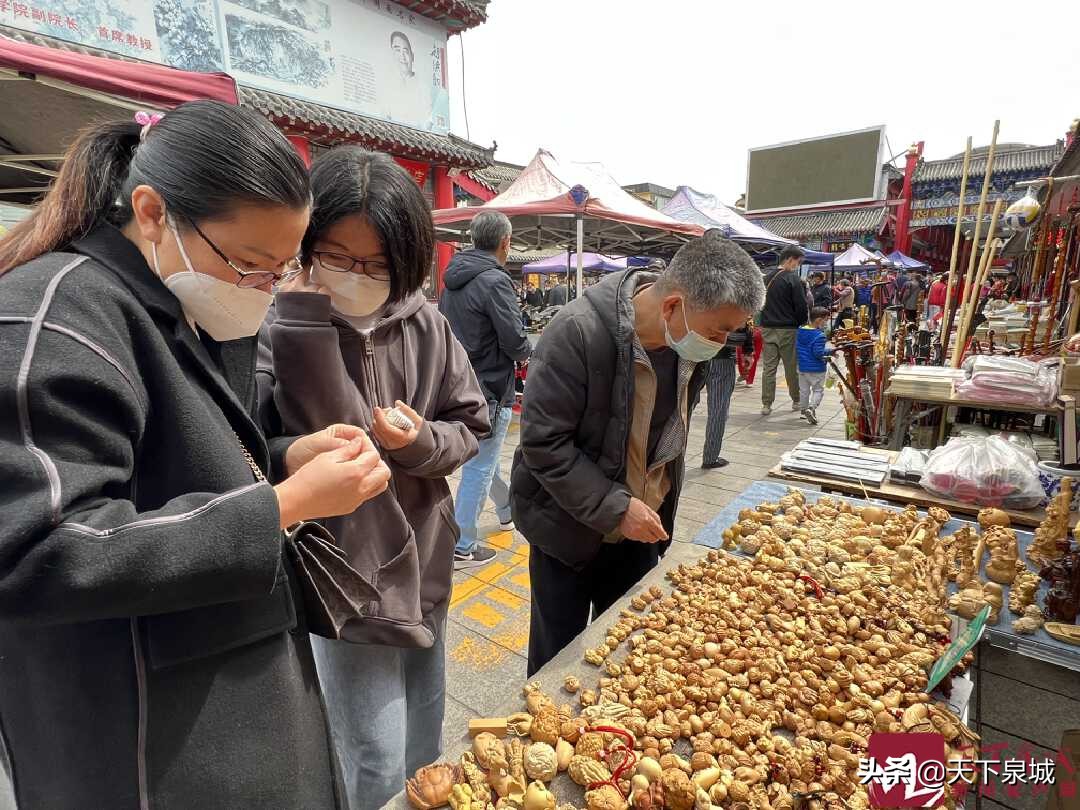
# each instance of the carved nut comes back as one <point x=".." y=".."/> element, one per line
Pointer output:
<point x="430" y="787"/>
<point x="585" y="771"/>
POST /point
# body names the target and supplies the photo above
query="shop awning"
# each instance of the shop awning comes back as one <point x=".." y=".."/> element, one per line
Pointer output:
<point x="905" y="261"/>
<point x="541" y="205"/>
<point x="145" y="82"/>
<point x="707" y="211"/>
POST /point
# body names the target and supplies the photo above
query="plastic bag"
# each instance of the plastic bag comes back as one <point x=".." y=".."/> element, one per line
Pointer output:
<point x="988" y="471"/>
<point x="1009" y="380"/>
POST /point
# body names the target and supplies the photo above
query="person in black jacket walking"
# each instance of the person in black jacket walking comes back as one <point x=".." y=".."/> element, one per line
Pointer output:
<point x="154" y="645"/>
<point x="784" y="312"/>
<point x="484" y="314"/>
<point x="599" y="470"/>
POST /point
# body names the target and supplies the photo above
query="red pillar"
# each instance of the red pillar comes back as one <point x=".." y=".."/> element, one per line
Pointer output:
<point x="302" y="146"/>
<point x="444" y="198"/>
<point x="903" y="216"/>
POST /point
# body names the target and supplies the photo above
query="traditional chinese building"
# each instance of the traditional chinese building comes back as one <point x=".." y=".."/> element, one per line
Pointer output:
<point x="368" y="72"/>
<point x="936" y="193"/>
<point x="834" y="228"/>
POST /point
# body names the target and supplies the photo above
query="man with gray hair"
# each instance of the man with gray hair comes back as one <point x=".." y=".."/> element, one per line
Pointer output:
<point x="612" y="384"/>
<point x="485" y="315"/>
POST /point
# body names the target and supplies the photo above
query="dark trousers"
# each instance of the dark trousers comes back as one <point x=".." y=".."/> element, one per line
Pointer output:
<point x="563" y="599"/>
<point x="720" y="383"/>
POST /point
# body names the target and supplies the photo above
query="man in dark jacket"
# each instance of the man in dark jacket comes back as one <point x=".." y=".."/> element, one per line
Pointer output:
<point x="821" y="291"/>
<point x="533" y="296"/>
<point x="615" y="378"/>
<point x="784" y="312"/>
<point x="557" y="295"/>
<point x="483" y="310"/>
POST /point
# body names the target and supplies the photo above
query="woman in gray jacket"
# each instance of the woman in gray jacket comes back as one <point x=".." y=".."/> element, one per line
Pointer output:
<point x="350" y="338"/>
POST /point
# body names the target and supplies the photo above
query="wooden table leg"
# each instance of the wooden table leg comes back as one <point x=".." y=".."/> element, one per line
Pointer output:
<point x="901" y="418"/>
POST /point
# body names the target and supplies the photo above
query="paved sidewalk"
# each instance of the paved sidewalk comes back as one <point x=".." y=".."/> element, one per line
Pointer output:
<point x="488" y="629"/>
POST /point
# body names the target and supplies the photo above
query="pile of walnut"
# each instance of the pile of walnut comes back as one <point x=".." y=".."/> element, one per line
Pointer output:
<point x="848" y="549"/>
<point x="741" y="650"/>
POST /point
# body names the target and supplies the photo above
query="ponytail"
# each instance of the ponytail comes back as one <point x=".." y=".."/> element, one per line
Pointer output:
<point x="82" y="196"/>
<point x="203" y="158"/>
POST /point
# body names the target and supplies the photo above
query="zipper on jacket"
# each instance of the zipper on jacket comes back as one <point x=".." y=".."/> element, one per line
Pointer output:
<point x="370" y="378"/>
<point x="140" y="680"/>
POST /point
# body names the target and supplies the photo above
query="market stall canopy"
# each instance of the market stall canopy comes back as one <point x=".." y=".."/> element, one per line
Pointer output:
<point x="906" y="262"/>
<point x="591" y="262"/>
<point x="541" y="206"/>
<point x="707" y="211"/>
<point x="58" y="92"/>
<point x="857" y="257"/>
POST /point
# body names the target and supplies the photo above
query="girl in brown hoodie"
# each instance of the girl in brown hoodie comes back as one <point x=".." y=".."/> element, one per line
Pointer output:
<point x="348" y="339"/>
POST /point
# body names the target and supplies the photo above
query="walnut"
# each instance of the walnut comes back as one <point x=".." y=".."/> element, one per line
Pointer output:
<point x="679" y="792"/>
<point x="605" y="797"/>
<point x="571" y="684"/>
<point x="546" y="726"/>
<point x="585" y="771"/>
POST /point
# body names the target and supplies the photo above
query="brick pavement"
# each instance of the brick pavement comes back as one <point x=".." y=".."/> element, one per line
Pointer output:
<point x="488" y="629"/>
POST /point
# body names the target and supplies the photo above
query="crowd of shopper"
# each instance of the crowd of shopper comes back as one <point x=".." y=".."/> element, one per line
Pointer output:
<point x="229" y="413"/>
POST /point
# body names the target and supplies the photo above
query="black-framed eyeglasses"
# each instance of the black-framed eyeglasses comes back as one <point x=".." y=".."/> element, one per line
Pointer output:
<point x="252" y="278"/>
<point x="375" y="269"/>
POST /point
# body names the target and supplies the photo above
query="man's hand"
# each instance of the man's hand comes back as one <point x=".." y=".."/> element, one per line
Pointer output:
<point x="642" y="524"/>
<point x="391" y="437"/>
<point x="307" y="447"/>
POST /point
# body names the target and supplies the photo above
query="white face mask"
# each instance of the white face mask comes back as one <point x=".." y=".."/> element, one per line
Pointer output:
<point x="223" y="310"/>
<point x="693" y="347"/>
<point x="351" y="293"/>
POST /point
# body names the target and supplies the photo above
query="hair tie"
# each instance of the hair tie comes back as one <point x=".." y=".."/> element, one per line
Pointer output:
<point x="147" y="119"/>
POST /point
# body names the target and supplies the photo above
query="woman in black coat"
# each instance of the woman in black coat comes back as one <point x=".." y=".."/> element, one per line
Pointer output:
<point x="153" y="651"/>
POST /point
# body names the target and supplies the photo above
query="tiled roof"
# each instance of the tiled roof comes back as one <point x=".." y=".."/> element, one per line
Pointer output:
<point x="338" y="126"/>
<point x="817" y="224"/>
<point x="456" y="15"/>
<point x="497" y="176"/>
<point x="1011" y="157"/>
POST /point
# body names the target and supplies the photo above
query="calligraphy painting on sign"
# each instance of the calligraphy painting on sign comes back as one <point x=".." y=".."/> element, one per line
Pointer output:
<point x="372" y="57"/>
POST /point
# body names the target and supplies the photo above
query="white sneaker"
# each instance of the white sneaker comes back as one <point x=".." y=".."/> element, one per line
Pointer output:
<point x="765" y="410"/>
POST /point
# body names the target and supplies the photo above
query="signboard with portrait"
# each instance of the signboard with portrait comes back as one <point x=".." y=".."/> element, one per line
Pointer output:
<point x="371" y="57"/>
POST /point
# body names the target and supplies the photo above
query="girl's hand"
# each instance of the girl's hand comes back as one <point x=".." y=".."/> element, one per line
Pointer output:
<point x="391" y="437"/>
<point x="333" y="483"/>
<point x="307" y="447"/>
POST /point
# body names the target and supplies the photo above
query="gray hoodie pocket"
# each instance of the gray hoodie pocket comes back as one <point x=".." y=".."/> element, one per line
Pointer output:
<point x="396" y="619"/>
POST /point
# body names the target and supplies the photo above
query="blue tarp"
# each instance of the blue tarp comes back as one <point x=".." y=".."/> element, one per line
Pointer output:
<point x="590" y="263"/>
<point x="905" y="261"/>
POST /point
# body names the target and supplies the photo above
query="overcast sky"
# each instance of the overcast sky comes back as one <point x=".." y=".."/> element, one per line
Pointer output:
<point x="675" y="91"/>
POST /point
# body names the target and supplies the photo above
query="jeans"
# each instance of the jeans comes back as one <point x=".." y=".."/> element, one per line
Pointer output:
<point x="480" y="477"/>
<point x="811" y="389"/>
<point x="779" y="345"/>
<point x="385" y="706"/>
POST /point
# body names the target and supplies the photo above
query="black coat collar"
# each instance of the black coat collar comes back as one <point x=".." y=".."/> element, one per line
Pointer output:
<point x="227" y="368"/>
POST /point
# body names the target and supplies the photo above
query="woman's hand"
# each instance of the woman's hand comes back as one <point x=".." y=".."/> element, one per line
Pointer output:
<point x="391" y="437"/>
<point x="307" y="447"/>
<point x="301" y="282"/>
<point x="333" y="483"/>
<point x="1072" y="345"/>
